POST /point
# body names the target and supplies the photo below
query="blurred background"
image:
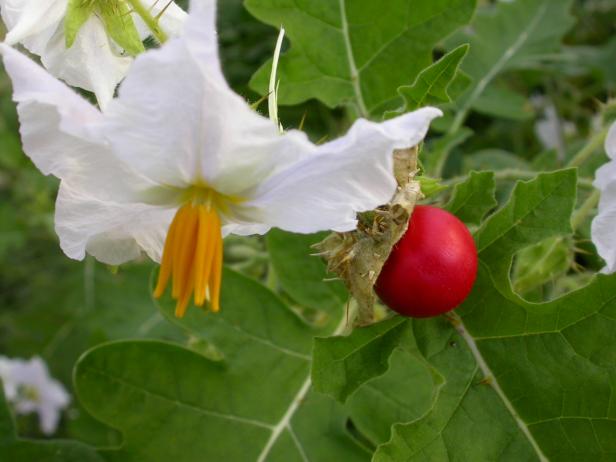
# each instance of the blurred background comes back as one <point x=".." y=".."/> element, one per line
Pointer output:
<point x="57" y="308"/>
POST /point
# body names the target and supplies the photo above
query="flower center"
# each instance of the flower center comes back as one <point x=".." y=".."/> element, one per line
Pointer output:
<point x="192" y="257"/>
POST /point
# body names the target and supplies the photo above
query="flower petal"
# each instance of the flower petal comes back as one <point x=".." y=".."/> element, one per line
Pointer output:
<point x="27" y="18"/>
<point x="610" y="142"/>
<point x="60" y="132"/>
<point x="92" y="63"/>
<point x="112" y="232"/>
<point x="55" y="121"/>
<point x="603" y="226"/>
<point x="100" y="198"/>
<point x="349" y="175"/>
<point x="177" y="121"/>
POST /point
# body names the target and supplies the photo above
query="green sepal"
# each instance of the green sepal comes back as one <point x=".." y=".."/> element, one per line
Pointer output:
<point x="430" y="186"/>
<point x="120" y="26"/>
<point x="77" y="13"/>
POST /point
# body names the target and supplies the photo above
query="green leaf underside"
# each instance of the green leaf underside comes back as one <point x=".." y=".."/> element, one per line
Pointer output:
<point x="507" y="36"/>
<point x="432" y="84"/>
<point x="253" y="404"/>
<point x="358" y="51"/>
<point x="501" y="102"/>
<point x="518" y="380"/>
<point x="15" y="449"/>
<point x="473" y="198"/>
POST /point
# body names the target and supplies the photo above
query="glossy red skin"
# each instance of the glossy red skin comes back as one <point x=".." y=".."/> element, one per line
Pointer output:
<point x="433" y="267"/>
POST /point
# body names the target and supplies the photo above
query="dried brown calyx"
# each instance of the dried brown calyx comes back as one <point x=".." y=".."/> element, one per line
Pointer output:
<point x="358" y="256"/>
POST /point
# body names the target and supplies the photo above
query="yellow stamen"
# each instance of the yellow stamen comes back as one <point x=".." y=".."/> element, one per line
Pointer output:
<point x="192" y="257"/>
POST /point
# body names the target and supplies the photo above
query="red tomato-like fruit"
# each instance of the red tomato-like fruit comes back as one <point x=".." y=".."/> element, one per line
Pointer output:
<point x="433" y="267"/>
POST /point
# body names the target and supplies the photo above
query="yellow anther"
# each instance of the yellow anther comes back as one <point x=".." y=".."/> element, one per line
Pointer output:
<point x="192" y="258"/>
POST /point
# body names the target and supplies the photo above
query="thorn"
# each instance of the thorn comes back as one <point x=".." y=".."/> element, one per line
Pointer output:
<point x="158" y="16"/>
<point x="489" y="380"/>
<point x="303" y="121"/>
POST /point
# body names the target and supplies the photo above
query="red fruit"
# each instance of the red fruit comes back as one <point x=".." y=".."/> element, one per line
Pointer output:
<point x="432" y="269"/>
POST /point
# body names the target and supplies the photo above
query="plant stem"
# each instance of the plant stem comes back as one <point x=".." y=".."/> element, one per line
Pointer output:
<point x="580" y="215"/>
<point x="149" y="20"/>
<point x="583" y="154"/>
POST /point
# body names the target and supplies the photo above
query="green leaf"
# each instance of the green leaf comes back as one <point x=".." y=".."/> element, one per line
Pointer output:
<point x="465" y="408"/>
<point x="432" y="84"/>
<point x="119" y="24"/>
<point x="473" y="198"/>
<point x="302" y="274"/>
<point x="63" y="317"/>
<point x="509" y="35"/>
<point x="77" y="13"/>
<point x="342" y="364"/>
<point x="341" y="55"/>
<point x="495" y="159"/>
<point x="547" y="364"/>
<point x="438" y="150"/>
<point x="542" y="263"/>
<point x="499" y="101"/>
<point x="23" y="450"/>
<point x="406" y="391"/>
<point x="533" y="379"/>
<point x="161" y="395"/>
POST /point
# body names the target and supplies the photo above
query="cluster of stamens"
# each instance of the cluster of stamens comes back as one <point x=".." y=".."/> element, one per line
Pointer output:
<point x="192" y="256"/>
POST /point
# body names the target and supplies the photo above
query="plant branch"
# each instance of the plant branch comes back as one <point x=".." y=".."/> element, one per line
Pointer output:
<point x="587" y="208"/>
<point x="589" y="149"/>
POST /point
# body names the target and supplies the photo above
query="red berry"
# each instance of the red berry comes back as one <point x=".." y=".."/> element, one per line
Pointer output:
<point x="432" y="269"/>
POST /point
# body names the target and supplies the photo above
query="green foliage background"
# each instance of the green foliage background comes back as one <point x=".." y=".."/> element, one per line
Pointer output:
<point x="523" y="371"/>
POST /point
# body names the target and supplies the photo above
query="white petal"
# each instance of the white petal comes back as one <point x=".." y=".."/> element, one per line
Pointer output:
<point x="605" y="175"/>
<point x="61" y="133"/>
<point x="27" y="18"/>
<point x="610" y="142"/>
<point x="112" y="232"/>
<point x="55" y="121"/>
<point x="349" y="175"/>
<point x="49" y="416"/>
<point x="177" y="121"/>
<point x="91" y="63"/>
<point x="603" y="229"/>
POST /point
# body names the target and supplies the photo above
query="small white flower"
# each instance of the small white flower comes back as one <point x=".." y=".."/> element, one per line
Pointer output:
<point x="28" y="386"/>
<point x="179" y="160"/>
<point x="603" y="230"/>
<point x="93" y="62"/>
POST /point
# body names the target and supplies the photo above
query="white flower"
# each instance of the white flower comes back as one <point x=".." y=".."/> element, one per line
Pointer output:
<point x="93" y="62"/>
<point x="28" y="386"/>
<point x="603" y="230"/>
<point x="179" y="160"/>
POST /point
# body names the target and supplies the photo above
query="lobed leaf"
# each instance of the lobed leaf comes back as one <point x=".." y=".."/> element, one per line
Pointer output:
<point x="13" y="448"/>
<point x="341" y="55"/>
<point x="253" y="402"/>
<point x="432" y="84"/>
<point x="473" y="198"/>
